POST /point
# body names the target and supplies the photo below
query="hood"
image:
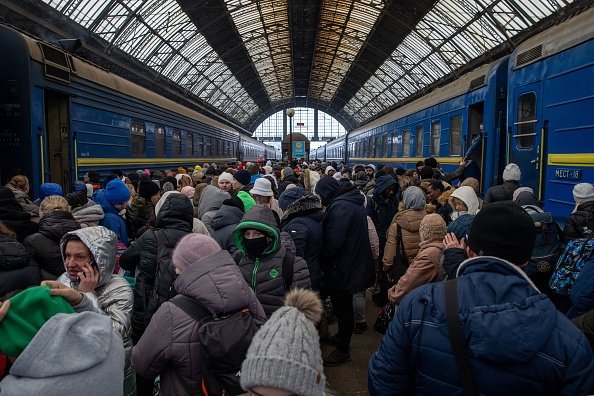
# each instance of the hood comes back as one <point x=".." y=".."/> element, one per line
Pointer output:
<point x="260" y="218"/>
<point x="467" y="195"/>
<point x="505" y="317"/>
<point x="212" y="199"/>
<point x="326" y="188"/>
<point x="101" y="199"/>
<point x="348" y="192"/>
<point x="57" y="223"/>
<point x="303" y="206"/>
<point x="102" y="244"/>
<point x="19" y="194"/>
<point x="13" y="254"/>
<point x="175" y="212"/>
<point x="382" y="183"/>
<point x="225" y="216"/>
<point x="217" y="282"/>
<point x="87" y="336"/>
<point x="445" y="196"/>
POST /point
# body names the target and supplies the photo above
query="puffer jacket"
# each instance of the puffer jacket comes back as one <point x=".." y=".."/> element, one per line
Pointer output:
<point x="13" y="216"/>
<point x="45" y="244"/>
<point x="111" y="219"/>
<point x="427" y="267"/>
<point x="581" y="222"/>
<point x="409" y="221"/>
<point x="264" y="274"/>
<point x="383" y="210"/>
<point x="303" y="222"/>
<point x="170" y="347"/>
<point x="88" y="215"/>
<point x="113" y="294"/>
<point x="286" y="181"/>
<point x="211" y="200"/>
<point x="18" y="270"/>
<point x="174" y="221"/>
<point x="223" y="224"/>
<point x="518" y="343"/>
<point x="503" y="192"/>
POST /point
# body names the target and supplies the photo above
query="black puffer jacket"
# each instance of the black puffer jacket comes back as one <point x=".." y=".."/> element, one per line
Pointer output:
<point x="223" y="224"/>
<point x="503" y="192"/>
<point x="45" y="244"/>
<point x="264" y="273"/>
<point x="18" y="270"/>
<point x="580" y="223"/>
<point x="174" y="221"/>
<point x="14" y="217"/>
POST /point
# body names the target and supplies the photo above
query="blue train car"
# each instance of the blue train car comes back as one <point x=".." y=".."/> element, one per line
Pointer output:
<point x="442" y="124"/>
<point x="551" y="111"/>
<point x="333" y="151"/>
<point x="62" y="116"/>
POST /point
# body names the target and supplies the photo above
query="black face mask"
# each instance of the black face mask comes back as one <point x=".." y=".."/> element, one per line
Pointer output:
<point x="255" y="247"/>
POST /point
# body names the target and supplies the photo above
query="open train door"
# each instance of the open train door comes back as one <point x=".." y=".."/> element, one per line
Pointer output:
<point x="525" y="135"/>
<point x="58" y="139"/>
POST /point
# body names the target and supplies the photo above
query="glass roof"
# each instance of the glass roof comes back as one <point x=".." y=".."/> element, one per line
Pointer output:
<point x="159" y="34"/>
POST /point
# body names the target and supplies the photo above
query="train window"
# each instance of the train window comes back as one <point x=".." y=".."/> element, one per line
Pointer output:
<point x="137" y="138"/>
<point x="406" y="143"/>
<point x="419" y="138"/>
<point x="190" y="144"/>
<point x="176" y="146"/>
<point x="526" y="125"/>
<point x="395" y="144"/>
<point x="159" y="140"/>
<point x="385" y="146"/>
<point x="208" y="147"/>
<point x="456" y="135"/>
<point x="200" y="146"/>
<point x="435" y="137"/>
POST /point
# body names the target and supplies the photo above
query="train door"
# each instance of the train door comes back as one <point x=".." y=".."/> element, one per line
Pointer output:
<point x="524" y="142"/>
<point x="475" y="128"/>
<point x="58" y="139"/>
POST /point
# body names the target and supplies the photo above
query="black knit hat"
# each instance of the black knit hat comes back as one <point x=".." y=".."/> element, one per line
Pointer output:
<point x="504" y="230"/>
<point x="147" y="188"/>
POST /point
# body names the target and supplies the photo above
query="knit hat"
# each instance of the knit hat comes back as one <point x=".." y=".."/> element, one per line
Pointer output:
<point x="243" y="177"/>
<point x="147" y="188"/>
<point x="188" y="191"/>
<point x="226" y="176"/>
<point x="414" y="198"/>
<point x="147" y="172"/>
<point x="285" y="353"/>
<point x="140" y="172"/>
<point x="79" y="186"/>
<point x="116" y="192"/>
<point x="583" y="192"/>
<point x="289" y="196"/>
<point x="503" y="229"/>
<point x="181" y="170"/>
<point x="47" y="189"/>
<point x="328" y="169"/>
<point x="461" y="225"/>
<point x="326" y="188"/>
<point x="512" y="172"/>
<point x="370" y="166"/>
<point x="262" y="187"/>
<point x="432" y="228"/>
<point x="197" y="168"/>
<point x="29" y="310"/>
<point x="192" y="248"/>
<point x="287" y="172"/>
<point x="268" y="169"/>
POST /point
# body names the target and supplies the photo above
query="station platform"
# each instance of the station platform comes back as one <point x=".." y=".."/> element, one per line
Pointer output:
<point x="350" y="379"/>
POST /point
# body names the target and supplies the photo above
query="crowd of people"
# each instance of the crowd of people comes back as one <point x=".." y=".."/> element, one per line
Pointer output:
<point x="125" y="284"/>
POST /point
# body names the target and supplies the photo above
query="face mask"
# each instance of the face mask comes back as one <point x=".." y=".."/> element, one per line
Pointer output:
<point x="255" y="247"/>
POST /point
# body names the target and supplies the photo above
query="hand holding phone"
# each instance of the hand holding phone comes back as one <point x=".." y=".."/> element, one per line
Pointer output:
<point x="89" y="277"/>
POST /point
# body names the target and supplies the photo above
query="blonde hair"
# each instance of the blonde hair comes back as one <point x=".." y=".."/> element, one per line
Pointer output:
<point x="132" y="191"/>
<point x="53" y="203"/>
<point x="7" y="231"/>
<point x="20" y="182"/>
<point x="184" y="181"/>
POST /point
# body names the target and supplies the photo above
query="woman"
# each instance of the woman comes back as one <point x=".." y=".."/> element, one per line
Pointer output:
<point x="19" y="185"/>
<point x="13" y="216"/>
<point x="18" y="270"/>
<point x="463" y="201"/>
<point x="263" y="195"/>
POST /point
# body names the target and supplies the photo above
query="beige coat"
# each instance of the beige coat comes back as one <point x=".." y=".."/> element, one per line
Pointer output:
<point x="409" y="220"/>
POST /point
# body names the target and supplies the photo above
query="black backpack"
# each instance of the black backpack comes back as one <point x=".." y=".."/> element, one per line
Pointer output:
<point x="547" y="246"/>
<point x="224" y="339"/>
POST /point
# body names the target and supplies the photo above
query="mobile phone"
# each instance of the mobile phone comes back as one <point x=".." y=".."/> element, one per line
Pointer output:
<point x="94" y="265"/>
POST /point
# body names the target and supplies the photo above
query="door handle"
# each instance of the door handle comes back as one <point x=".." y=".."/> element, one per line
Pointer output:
<point x="535" y="162"/>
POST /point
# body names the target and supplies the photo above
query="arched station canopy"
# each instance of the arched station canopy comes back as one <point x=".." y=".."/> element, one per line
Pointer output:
<point x="244" y="60"/>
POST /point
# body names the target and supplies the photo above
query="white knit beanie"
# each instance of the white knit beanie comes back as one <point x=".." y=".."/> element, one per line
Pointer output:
<point x="226" y="176"/>
<point x="512" y="172"/>
<point x="583" y="192"/>
<point x="285" y="353"/>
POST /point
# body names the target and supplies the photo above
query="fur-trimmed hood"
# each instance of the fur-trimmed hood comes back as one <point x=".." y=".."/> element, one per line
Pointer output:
<point x="304" y="205"/>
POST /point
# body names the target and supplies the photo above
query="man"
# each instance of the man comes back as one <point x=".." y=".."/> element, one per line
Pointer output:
<point x="370" y="170"/>
<point x="90" y="285"/>
<point x="505" y="192"/>
<point x="384" y="208"/>
<point x="241" y="181"/>
<point x="517" y="342"/>
<point x="113" y="200"/>
<point x="142" y="207"/>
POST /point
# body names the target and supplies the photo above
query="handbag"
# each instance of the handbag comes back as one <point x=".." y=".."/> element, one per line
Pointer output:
<point x="389" y="278"/>
<point x="385" y="318"/>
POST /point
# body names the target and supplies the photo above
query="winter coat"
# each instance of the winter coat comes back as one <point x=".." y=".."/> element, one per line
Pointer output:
<point x="577" y="225"/>
<point x="503" y="192"/>
<point x="373" y="238"/>
<point x="78" y="353"/>
<point x="169" y="347"/>
<point x="14" y="217"/>
<point x="347" y="260"/>
<point x="518" y="343"/>
<point x="88" y="215"/>
<point x="409" y="221"/>
<point x="287" y="180"/>
<point x="582" y="292"/>
<point x="25" y="202"/>
<point x="452" y="258"/>
<point x="138" y="212"/>
<point x="585" y="323"/>
<point x="112" y="296"/>
<point x="385" y="209"/>
<point x="111" y="219"/>
<point x="223" y="224"/>
<point x="425" y="268"/>
<point x="45" y="244"/>
<point x="174" y="221"/>
<point x="303" y="222"/>
<point x="264" y="274"/>
<point x="210" y="202"/>
<point x="18" y="270"/>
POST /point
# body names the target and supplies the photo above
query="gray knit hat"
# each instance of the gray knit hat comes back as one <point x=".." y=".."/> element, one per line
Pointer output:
<point x="285" y="353"/>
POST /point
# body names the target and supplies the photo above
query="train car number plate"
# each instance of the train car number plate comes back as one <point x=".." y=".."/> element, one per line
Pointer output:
<point x="568" y="174"/>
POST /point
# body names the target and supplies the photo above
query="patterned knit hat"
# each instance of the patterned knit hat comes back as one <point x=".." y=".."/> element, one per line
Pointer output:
<point x="285" y="353"/>
<point x="432" y="228"/>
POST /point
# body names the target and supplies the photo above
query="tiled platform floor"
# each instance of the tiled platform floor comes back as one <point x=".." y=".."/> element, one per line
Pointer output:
<point x="350" y="379"/>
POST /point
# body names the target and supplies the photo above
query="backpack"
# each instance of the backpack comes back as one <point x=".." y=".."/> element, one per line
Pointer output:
<point x="547" y="245"/>
<point x="576" y="255"/>
<point x="224" y="339"/>
<point x="287" y="268"/>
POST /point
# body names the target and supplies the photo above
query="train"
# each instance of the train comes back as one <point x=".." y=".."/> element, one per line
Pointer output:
<point x="62" y="116"/>
<point x="535" y="108"/>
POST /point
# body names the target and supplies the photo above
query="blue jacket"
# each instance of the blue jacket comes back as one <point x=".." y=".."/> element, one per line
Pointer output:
<point x="582" y="291"/>
<point x="518" y="343"/>
<point x="112" y="220"/>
